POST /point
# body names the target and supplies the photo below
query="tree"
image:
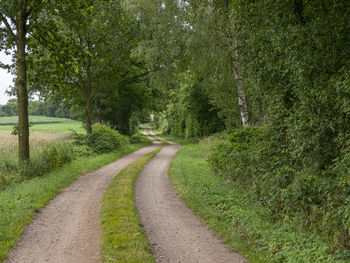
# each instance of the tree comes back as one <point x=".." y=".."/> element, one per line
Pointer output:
<point x="87" y="60"/>
<point x="17" y="19"/>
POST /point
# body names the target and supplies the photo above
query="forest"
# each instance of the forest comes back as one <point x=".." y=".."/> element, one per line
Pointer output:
<point x="267" y="82"/>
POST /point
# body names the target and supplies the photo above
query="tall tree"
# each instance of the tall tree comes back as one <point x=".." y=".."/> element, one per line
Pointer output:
<point x="17" y="18"/>
<point x="87" y="49"/>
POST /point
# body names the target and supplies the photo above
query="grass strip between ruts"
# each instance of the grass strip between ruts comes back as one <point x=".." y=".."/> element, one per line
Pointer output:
<point x="19" y="203"/>
<point x="122" y="235"/>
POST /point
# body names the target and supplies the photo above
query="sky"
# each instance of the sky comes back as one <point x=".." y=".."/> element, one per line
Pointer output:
<point x="5" y="79"/>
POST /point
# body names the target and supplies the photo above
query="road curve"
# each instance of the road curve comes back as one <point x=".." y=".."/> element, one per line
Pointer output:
<point x="67" y="230"/>
<point x="175" y="233"/>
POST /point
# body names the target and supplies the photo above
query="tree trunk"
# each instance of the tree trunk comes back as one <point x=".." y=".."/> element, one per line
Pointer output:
<point x="22" y="93"/>
<point x="241" y="93"/>
<point x="88" y="90"/>
<point x="98" y="117"/>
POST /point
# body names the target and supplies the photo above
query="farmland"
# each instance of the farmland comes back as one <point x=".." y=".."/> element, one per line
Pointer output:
<point x="44" y="124"/>
<point x="46" y="137"/>
<point x="34" y="120"/>
<point x="38" y="139"/>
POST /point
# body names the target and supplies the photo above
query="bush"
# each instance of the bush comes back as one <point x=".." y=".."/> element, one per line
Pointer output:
<point x="102" y="139"/>
<point x="286" y="184"/>
<point x="42" y="161"/>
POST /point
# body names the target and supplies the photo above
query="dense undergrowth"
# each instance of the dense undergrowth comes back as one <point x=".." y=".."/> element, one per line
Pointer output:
<point x="227" y="205"/>
<point x="291" y="187"/>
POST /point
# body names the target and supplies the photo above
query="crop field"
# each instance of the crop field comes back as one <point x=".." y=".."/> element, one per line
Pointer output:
<point x="33" y="119"/>
<point x="41" y="135"/>
<point x="9" y="142"/>
<point x="61" y="127"/>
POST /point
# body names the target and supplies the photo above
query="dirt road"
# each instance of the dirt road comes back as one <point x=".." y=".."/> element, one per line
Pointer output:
<point x="175" y="233"/>
<point x="160" y="138"/>
<point x="68" y="228"/>
<point x="149" y="137"/>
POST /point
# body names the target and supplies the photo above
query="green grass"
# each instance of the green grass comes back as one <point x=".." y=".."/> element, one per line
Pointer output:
<point x="33" y="119"/>
<point x="64" y="127"/>
<point x="164" y="143"/>
<point x="20" y="202"/>
<point x="245" y="225"/>
<point x="122" y="235"/>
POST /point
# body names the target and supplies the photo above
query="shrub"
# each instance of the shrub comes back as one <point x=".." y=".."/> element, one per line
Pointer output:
<point x="42" y="161"/>
<point x="285" y="183"/>
<point x="102" y="139"/>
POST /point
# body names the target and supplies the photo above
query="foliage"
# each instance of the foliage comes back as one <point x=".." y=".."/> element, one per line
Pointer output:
<point x="49" y="158"/>
<point x="36" y="108"/>
<point x="227" y="207"/>
<point x="189" y="114"/>
<point x="122" y="234"/>
<point x="84" y="59"/>
<point x="102" y="139"/>
<point x="288" y="186"/>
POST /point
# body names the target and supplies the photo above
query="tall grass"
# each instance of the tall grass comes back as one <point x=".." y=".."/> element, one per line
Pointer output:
<point x="47" y="153"/>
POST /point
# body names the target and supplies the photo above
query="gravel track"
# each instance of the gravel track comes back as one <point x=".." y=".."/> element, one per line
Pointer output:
<point x="68" y="228"/>
<point x="175" y="233"/>
<point x="160" y="138"/>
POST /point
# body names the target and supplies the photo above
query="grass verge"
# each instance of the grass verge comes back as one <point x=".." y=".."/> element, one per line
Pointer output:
<point x="245" y="226"/>
<point x="122" y="234"/>
<point x="20" y="202"/>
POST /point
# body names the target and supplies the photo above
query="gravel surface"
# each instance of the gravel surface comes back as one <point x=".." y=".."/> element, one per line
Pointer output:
<point x="68" y="228"/>
<point x="175" y="233"/>
<point x="149" y="137"/>
<point x="160" y="138"/>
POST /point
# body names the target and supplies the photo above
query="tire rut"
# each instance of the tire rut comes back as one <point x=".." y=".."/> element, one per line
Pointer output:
<point x="68" y="229"/>
<point x="174" y="232"/>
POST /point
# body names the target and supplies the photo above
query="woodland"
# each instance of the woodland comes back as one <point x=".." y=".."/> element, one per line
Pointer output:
<point x="270" y="78"/>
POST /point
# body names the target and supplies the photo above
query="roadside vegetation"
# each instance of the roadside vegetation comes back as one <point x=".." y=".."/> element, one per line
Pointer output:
<point x="247" y="226"/>
<point x="122" y="234"/>
<point x="271" y="77"/>
<point x="21" y="201"/>
<point x="51" y="151"/>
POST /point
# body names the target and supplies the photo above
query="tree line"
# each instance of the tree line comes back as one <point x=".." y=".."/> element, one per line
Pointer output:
<point x="281" y="64"/>
<point x="39" y="108"/>
<point x="205" y="66"/>
<point x="77" y="52"/>
<point x="275" y="76"/>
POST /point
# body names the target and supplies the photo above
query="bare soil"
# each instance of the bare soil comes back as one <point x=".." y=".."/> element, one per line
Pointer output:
<point x="68" y="228"/>
<point x="175" y="233"/>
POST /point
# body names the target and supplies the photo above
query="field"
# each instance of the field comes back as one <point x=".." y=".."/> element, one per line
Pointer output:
<point x="38" y="139"/>
<point x="42" y="137"/>
<point x="44" y="124"/>
<point x="33" y="119"/>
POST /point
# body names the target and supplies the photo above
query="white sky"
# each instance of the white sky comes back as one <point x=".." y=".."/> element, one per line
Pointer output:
<point x="5" y="79"/>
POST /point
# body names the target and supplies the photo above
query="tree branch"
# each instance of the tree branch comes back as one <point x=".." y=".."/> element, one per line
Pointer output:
<point x="8" y="27"/>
